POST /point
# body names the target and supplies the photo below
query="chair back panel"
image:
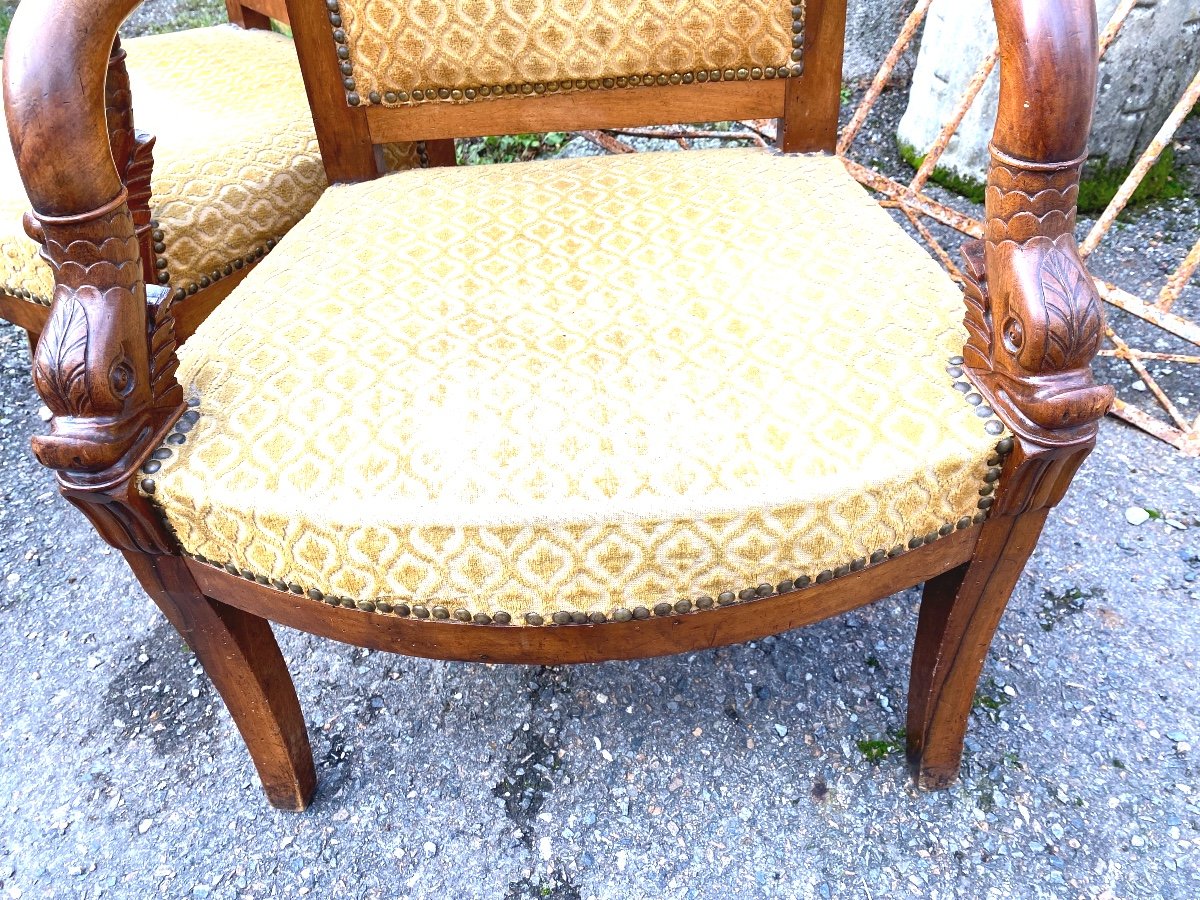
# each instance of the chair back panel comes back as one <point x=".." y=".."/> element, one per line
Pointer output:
<point x="401" y="52"/>
<point x="404" y="70"/>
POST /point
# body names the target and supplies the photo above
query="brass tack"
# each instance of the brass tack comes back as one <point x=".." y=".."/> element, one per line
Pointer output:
<point x="456" y="94"/>
<point x="339" y="35"/>
<point x="533" y="618"/>
<point x="859" y="564"/>
<point x="250" y="576"/>
<point x="383" y="606"/>
<point x="725" y="598"/>
<point x="797" y="55"/>
<point x="469" y="93"/>
<point x="980" y="518"/>
<point x="784" y="586"/>
<point x="765" y="590"/>
<point x="946" y="529"/>
<point x="797" y="70"/>
<point x="440" y="612"/>
<point x="402" y="609"/>
<point x="931" y="537"/>
<point x="343" y="52"/>
<point x="840" y="571"/>
<point x="192" y="288"/>
<point x="314" y="594"/>
<point x="159" y="247"/>
<point x="420" y="612"/>
<point x="896" y="551"/>
<point x="462" y="615"/>
<point x="205" y="281"/>
<point x="756" y="73"/>
<point x="578" y="617"/>
<point x="662" y="609"/>
<point x="151" y="466"/>
<point x="956" y="360"/>
<point x="176" y="438"/>
<point x="704" y="602"/>
<point x="231" y="569"/>
<point x="682" y="606"/>
<point x="180" y="293"/>
<point x="769" y="71"/>
<point x="985" y="502"/>
<point x="332" y="5"/>
<point x="345" y="602"/>
<point x="983" y="411"/>
<point x="352" y="98"/>
<point x="402" y="96"/>
<point x="797" y="42"/>
<point x="365" y="605"/>
<point x="803" y="581"/>
<point x="991" y="475"/>
<point x="622" y="81"/>
<point x="594" y="83"/>
<point x="914" y="543"/>
<point x="878" y="556"/>
<point x="986" y="490"/>
<point x="481" y="618"/>
<point x="747" y="594"/>
<point x="676" y="78"/>
<point x="238" y="263"/>
<point x="954" y="371"/>
<point x="1005" y="446"/>
<point x="962" y="387"/>
<point x="335" y="19"/>
<point x="502" y="618"/>
<point x="995" y="459"/>
<point x="974" y="399"/>
<point x="797" y="28"/>
<point x="688" y="78"/>
<point x="824" y="577"/>
<point x="993" y="427"/>
<point x="525" y="89"/>
<point x="374" y="97"/>
<point x="640" y="612"/>
<point x="702" y="76"/>
<point x="743" y="74"/>
<point x="964" y="522"/>
<point x="346" y="68"/>
<point x="562" y="617"/>
<point x="597" y="618"/>
<point x="608" y="82"/>
<point x="148" y="485"/>
<point x="622" y="615"/>
<point x="157" y="234"/>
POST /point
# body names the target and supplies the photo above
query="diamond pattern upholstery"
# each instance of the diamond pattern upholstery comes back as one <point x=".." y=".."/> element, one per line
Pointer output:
<point x="236" y="162"/>
<point x="581" y="386"/>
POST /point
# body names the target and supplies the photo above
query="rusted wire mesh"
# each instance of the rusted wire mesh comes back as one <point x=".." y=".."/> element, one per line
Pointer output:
<point x="916" y="205"/>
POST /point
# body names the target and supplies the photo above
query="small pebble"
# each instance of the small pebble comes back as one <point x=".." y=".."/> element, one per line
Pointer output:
<point x="1135" y="515"/>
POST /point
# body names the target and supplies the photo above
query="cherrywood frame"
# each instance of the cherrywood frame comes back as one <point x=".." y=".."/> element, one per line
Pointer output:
<point x="105" y="365"/>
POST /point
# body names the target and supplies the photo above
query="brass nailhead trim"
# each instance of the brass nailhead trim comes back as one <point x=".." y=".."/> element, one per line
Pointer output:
<point x="792" y="69"/>
<point x="682" y="606"/>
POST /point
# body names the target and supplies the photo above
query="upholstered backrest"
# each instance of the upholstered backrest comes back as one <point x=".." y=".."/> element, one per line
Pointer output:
<point x="397" y="52"/>
<point x="379" y="71"/>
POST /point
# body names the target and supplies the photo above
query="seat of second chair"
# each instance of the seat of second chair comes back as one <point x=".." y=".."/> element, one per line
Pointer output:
<point x="579" y="390"/>
<point x="236" y="161"/>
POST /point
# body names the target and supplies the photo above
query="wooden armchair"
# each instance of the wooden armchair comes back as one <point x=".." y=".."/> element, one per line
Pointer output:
<point x="575" y="410"/>
<point x="231" y="173"/>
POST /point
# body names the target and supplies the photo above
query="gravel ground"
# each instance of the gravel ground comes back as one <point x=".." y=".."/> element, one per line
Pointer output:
<point x="772" y="769"/>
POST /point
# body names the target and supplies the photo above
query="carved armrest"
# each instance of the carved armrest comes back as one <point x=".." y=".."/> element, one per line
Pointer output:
<point x="1034" y="317"/>
<point x="105" y="362"/>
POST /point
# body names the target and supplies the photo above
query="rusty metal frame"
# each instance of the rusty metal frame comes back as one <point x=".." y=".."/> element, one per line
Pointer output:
<point x="916" y="205"/>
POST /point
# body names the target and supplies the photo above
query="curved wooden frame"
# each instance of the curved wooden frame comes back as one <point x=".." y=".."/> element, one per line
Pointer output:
<point x="105" y="367"/>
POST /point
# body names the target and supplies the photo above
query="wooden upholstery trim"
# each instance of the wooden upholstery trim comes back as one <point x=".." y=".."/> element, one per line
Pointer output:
<point x="712" y="102"/>
<point x="557" y="645"/>
<point x="810" y="117"/>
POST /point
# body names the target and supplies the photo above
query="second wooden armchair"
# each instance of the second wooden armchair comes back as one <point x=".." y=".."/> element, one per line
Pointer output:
<point x="576" y="410"/>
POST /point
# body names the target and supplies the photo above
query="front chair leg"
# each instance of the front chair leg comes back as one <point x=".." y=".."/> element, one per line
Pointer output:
<point x="960" y="611"/>
<point x="239" y="653"/>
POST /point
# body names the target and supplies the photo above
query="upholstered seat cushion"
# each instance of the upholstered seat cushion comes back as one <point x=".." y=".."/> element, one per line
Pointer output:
<point x="236" y="162"/>
<point x="591" y="387"/>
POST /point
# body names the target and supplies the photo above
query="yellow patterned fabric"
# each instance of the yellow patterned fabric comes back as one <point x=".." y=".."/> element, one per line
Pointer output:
<point x="586" y="385"/>
<point x="236" y="162"/>
<point x="400" y="51"/>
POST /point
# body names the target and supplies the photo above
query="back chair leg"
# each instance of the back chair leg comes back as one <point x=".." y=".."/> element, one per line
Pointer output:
<point x="960" y="611"/>
<point x="239" y="653"/>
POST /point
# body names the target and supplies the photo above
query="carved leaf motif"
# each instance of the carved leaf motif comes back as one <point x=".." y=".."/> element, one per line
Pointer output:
<point x="1073" y="318"/>
<point x="60" y="368"/>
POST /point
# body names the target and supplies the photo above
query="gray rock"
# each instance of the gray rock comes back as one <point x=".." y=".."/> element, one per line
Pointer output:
<point x="1141" y="77"/>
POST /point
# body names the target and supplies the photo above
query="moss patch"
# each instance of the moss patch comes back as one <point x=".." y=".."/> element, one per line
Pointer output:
<point x="1098" y="185"/>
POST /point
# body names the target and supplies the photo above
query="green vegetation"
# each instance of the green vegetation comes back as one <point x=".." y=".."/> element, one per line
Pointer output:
<point x="509" y="148"/>
<point x="190" y="14"/>
<point x="6" y="14"/>
<point x="879" y="749"/>
<point x="991" y="698"/>
<point x="1097" y="187"/>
